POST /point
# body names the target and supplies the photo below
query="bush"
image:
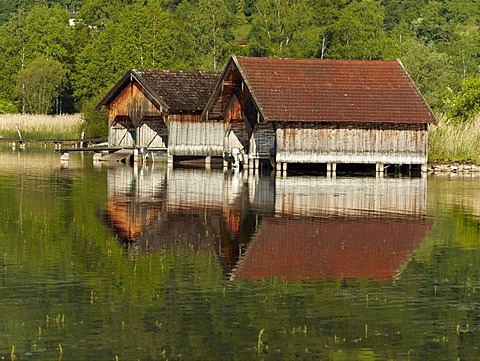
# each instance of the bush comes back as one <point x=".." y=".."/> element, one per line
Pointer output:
<point x="7" y="107"/>
<point x="466" y="105"/>
<point x="95" y="122"/>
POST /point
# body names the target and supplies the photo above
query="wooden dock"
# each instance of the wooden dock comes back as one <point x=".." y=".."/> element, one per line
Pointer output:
<point x="118" y="156"/>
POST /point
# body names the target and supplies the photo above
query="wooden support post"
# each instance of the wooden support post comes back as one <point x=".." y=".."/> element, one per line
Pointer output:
<point x="284" y="169"/>
<point x="424" y="167"/>
<point x="208" y="162"/>
<point x="334" y="169"/>
<point x="170" y="160"/>
<point x="18" y="131"/>
<point x="379" y="167"/>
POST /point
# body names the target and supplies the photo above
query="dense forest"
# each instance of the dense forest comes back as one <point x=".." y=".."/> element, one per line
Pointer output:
<point x="58" y="55"/>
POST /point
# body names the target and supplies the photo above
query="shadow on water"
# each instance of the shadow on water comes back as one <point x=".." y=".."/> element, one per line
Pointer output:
<point x="295" y="227"/>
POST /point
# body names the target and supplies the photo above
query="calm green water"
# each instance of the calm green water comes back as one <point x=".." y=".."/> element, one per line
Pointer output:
<point x="106" y="263"/>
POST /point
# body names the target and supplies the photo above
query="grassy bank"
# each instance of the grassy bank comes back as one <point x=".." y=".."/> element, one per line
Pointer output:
<point x="34" y="127"/>
<point x="454" y="142"/>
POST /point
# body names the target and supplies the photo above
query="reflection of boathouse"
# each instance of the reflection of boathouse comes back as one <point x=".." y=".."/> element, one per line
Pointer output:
<point x="160" y="110"/>
<point x="296" y="228"/>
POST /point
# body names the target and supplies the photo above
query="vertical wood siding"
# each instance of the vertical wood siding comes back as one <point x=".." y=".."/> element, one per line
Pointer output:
<point x="262" y="142"/>
<point x="119" y="132"/>
<point x="133" y="103"/>
<point x="352" y="143"/>
<point x="153" y="133"/>
<point x="190" y="137"/>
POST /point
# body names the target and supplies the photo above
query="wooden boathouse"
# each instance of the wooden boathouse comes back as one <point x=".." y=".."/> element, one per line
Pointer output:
<point x="159" y="110"/>
<point x="329" y="112"/>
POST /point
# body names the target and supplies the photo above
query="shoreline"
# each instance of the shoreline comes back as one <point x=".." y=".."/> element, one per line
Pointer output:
<point x="460" y="166"/>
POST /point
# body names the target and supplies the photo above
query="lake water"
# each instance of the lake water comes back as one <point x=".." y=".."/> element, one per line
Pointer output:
<point x="120" y="263"/>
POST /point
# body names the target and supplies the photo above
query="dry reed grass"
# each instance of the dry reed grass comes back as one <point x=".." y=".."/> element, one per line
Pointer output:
<point x="449" y="141"/>
<point x="40" y="126"/>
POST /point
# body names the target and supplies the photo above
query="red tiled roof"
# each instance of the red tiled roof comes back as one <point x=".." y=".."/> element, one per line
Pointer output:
<point x="334" y="90"/>
<point x="315" y="249"/>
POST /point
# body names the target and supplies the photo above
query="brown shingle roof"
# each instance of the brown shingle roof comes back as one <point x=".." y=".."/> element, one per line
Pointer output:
<point x="181" y="90"/>
<point x="334" y="90"/>
<point x="173" y="90"/>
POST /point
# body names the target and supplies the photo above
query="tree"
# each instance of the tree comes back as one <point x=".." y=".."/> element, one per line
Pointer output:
<point x="142" y="37"/>
<point x="41" y="32"/>
<point x="431" y="70"/>
<point x="359" y="32"/>
<point x="208" y="25"/>
<point x="39" y="84"/>
<point x="7" y="107"/>
<point x="95" y="122"/>
<point x="284" y="28"/>
<point x="466" y="105"/>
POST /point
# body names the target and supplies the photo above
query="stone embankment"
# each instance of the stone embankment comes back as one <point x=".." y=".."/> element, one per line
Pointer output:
<point x="454" y="167"/>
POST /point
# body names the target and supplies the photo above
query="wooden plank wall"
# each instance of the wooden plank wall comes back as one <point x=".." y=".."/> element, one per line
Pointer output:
<point x="262" y="143"/>
<point x="133" y="103"/>
<point x="119" y="135"/>
<point x="331" y="143"/>
<point x="190" y="137"/>
<point x="153" y="133"/>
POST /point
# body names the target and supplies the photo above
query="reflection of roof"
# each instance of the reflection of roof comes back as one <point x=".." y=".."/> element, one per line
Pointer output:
<point x="318" y="90"/>
<point x="309" y="249"/>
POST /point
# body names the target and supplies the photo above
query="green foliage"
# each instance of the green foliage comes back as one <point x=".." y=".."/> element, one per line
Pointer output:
<point x="466" y="105"/>
<point x="39" y="84"/>
<point x="284" y="28"/>
<point x="41" y="32"/>
<point x="359" y="32"/>
<point x="438" y="41"/>
<point x="141" y="37"/>
<point x="95" y="122"/>
<point x="208" y="29"/>
<point x="7" y="107"/>
<point x="434" y="75"/>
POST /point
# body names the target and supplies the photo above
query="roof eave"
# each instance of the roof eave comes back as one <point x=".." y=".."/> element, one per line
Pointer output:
<point x="131" y="75"/>
<point x="217" y="90"/>
<point x="215" y="93"/>
<point x="432" y="114"/>
<point x="250" y="88"/>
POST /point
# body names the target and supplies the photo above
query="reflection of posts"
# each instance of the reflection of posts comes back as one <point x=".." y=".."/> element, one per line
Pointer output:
<point x="237" y="157"/>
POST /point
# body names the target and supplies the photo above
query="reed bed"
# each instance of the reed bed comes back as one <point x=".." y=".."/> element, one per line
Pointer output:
<point x="457" y="142"/>
<point x="35" y="127"/>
